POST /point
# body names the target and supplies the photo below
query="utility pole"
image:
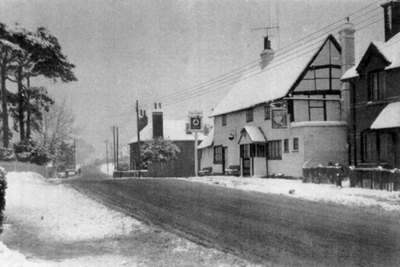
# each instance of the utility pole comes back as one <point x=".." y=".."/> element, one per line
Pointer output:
<point x="138" y="163"/>
<point x="106" y="141"/>
<point x="75" y="153"/>
<point x="113" y="130"/>
<point x="117" y="148"/>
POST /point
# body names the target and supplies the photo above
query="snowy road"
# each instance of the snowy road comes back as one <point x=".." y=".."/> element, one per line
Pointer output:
<point x="51" y="224"/>
<point x="261" y="227"/>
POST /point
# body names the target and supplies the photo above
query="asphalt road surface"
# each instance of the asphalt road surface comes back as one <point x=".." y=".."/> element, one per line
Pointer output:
<point x="264" y="228"/>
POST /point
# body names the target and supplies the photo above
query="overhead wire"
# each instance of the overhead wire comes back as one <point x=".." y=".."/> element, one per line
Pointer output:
<point x="252" y="68"/>
<point x="229" y="78"/>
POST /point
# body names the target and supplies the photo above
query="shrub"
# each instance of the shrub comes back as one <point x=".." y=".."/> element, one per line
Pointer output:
<point x="3" y="187"/>
<point x="29" y="151"/>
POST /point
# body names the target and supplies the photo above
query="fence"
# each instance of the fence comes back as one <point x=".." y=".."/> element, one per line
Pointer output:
<point x="324" y="174"/>
<point x="131" y="173"/>
<point x="375" y="178"/>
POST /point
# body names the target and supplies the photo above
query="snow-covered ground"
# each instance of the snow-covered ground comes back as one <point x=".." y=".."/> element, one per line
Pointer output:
<point x="51" y="224"/>
<point x="53" y="210"/>
<point x="103" y="168"/>
<point x="315" y="192"/>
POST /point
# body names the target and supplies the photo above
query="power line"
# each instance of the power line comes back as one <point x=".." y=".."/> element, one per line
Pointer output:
<point x="247" y="70"/>
<point x="227" y="76"/>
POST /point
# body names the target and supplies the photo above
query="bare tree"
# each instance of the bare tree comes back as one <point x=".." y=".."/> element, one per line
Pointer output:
<point x="57" y="130"/>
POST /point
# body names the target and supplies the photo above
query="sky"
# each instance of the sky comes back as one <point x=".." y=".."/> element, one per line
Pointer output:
<point x="128" y="50"/>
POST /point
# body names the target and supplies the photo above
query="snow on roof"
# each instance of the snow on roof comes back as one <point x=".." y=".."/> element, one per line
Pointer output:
<point x="207" y="141"/>
<point x="255" y="134"/>
<point x="390" y="50"/>
<point x="350" y="73"/>
<point x="271" y="83"/>
<point x="388" y="118"/>
<point x="174" y="130"/>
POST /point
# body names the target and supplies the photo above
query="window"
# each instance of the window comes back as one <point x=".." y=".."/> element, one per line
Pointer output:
<point x="223" y="120"/>
<point x="369" y="146"/>
<point x="286" y="146"/>
<point x="317" y="110"/>
<point x="249" y="115"/>
<point x="275" y="149"/>
<point x="267" y="112"/>
<point x="296" y="144"/>
<point x="260" y="150"/>
<point x="218" y="151"/>
<point x="376" y="85"/>
<point x="245" y="151"/>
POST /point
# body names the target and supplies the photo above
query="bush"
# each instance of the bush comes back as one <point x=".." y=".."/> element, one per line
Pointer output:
<point x="29" y="151"/>
<point x="7" y="154"/>
<point x="3" y="187"/>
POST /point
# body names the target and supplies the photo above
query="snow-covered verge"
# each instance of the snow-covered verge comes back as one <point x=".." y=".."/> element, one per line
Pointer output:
<point x="315" y="192"/>
<point x="51" y="224"/>
<point x="60" y="212"/>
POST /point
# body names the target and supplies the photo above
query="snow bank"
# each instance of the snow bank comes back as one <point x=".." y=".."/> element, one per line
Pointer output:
<point x="59" y="212"/>
<point x="12" y="258"/>
<point x="103" y="168"/>
<point x="315" y="192"/>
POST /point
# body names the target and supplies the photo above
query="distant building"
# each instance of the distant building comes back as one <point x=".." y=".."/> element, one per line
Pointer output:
<point x="374" y="135"/>
<point x="175" y="131"/>
<point x="288" y="115"/>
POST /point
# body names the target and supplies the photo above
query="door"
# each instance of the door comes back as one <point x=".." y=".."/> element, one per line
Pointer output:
<point x="246" y="159"/>
<point x="246" y="163"/>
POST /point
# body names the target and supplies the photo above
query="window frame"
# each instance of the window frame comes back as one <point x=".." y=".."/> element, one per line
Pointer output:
<point x="274" y="149"/>
<point x="218" y="151"/>
<point x="267" y="112"/>
<point x="296" y="142"/>
<point x="286" y="145"/>
<point x="223" y="120"/>
<point x="261" y="150"/>
<point x="376" y="78"/>
<point x="249" y="115"/>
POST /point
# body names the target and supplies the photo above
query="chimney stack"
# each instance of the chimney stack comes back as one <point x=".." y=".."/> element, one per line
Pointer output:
<point x="391" y="12"/>
<point x="267" y="54"/>
<point x="346" y="35"/>
<point x="157" y="119"/>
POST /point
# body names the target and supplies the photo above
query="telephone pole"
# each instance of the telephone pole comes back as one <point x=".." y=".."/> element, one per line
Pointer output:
<point x="117" y="149"/>
<point x="138" y="165"/>
<point x="106" y="141"/>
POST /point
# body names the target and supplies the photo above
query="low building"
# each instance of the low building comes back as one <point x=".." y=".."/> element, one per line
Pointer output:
<point x="375" y="98"/>
<point x="288" y="115"/>
<point x="175" y="131"/>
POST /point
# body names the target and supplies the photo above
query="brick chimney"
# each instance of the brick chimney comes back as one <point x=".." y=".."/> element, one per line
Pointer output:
<point x="157" y="120"/>
<point x="267" y="54"/>
<point x="346" y="35"/>
<point x="391" y="12"/>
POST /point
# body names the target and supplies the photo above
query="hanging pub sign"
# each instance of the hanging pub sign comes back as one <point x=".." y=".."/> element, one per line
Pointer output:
<point x="195" y="121"/>
<point x="279" y="118"/>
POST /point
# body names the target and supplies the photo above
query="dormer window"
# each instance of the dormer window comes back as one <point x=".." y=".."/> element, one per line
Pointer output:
<point x="376" y="85"/>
